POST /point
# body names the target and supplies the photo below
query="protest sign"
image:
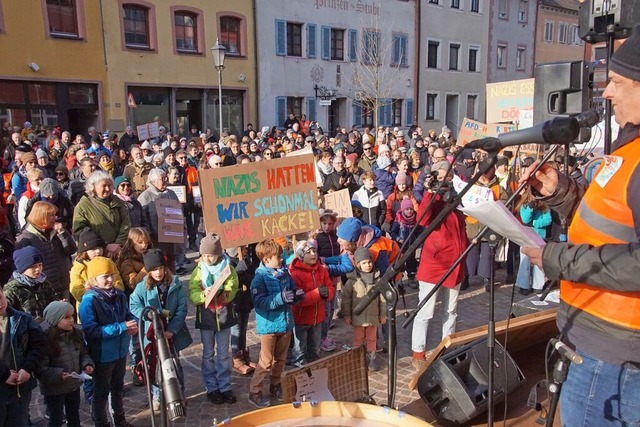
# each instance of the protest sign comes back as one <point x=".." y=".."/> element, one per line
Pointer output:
<point x="470" y="131"/>
<point x="506" y="99"/>
<point x="180" y="191"/>
<point x="251" y="202"/>
<point x="195" y="190"/>
<point x="170" y="221"/>
<point x="219" y="281"/>
<point x="148" y="130"/>
<point x="339" y="202"/>
<point x="143" y="132"/>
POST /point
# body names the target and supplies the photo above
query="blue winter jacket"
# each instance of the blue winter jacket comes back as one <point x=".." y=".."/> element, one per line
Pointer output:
<point x="273" y="315"/>
<point x="104" y="327"/>
<point x="176" y="303"/>
<point x="536" y="219"/>
<point x="385" y="181"/>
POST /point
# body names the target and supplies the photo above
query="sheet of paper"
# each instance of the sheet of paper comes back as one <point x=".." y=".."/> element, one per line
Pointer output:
<point x="222" y="277"/>
<point x="313" y="385"/>
<point x="496" y="216"/>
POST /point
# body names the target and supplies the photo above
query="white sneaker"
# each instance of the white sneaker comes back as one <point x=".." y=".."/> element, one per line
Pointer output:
<point x="156" y="403"/>
<point x="328" y="344"/>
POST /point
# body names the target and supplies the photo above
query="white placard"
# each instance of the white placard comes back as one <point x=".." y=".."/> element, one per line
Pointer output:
<point x="313" y="385"/>
<point x="180" y="191"/>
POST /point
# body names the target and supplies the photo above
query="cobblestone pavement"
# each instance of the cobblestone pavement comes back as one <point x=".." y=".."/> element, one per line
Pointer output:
<point x="473" y="309"/>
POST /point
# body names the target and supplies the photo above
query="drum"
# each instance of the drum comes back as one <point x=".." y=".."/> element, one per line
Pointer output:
<point x="327" y="414"/>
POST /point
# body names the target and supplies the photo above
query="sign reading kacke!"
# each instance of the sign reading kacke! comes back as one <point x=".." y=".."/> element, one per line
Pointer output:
<point x="251" y="202"/>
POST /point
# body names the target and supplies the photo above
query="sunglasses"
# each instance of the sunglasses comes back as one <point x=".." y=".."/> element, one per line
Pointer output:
<point x="268" y="154"/>
<point x="125" y="185"/>
<point x="60" y="174"/>
<point x="367" y="149"/>
<point x="217" y="164"/>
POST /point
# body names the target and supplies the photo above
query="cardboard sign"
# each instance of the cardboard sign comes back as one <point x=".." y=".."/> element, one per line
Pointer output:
<point x="506" y="99"/>
<point x="143" y="132"/>
<point x="154" y="129"/>
<point x="339" y="202"/>
<point x="180" y="191"/>
<point x="471" y="130"/>
<point x="251" y="202"/>
<point x="195" y="190"/>
<point x="219" y="281"/>
<point x="148" y="130"/>
<point x="170" y="221"/>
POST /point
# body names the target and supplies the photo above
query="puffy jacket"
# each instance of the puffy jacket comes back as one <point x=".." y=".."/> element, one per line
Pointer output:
<point x="31" y="297"/>
<point x="310" y="311"/>
<point x="220" y="314"/>
<point x="104" y="326"/>
<point x="384" y="251"/>
<point x="385" y="181"/>
<point x="393" y="204"/>
<point x="132" y="271"/>
<point x="536" y="219"/>
<point x="373" y="203"/>
<point x="176" y="303"/>
<point x="355" y="290"/>
<point x="79" y="278"/>
<point x="273" y="315"/>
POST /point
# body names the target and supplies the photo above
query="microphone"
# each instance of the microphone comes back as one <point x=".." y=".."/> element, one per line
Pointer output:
<point x="170" y="384"/>
<point x="566" y="351"/>
<point x="559" y="130"/>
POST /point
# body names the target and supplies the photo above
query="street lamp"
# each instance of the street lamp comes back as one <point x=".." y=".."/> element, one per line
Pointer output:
<point x="218" y="52"/>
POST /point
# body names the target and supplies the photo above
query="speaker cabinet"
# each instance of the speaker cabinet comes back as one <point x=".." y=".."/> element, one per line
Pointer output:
<point x="562" y="89"/>
<point x="455" y="386"/>
<point x="595" y="17"/>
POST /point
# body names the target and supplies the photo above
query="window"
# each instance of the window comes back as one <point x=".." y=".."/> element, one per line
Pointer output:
<point x="230" y="35"/>
<point x="473" y="58"/>
<point x="396" y="112"/>
<point x="432" y="106"/>
<point x="294" y="39"/>
<point x="503" y="12"/>
<point x="563" y="33"/>
<point x="455" y="4"/>
<point x="475" y="6"/>
<point x="294" y="105"/>
<point x="399" y="50"/>
<point x="186" y="32"/>
<point x="600" y="53"/>
<point x="574" y="35"/>
<point x="548" y="31"/>
<point x="337" y="44"/>
<point x="522" y="10"/>
<point x="434" y="1"/>
<point x="371" y="47"/>
<point x="521" y="59"/>
<point x="63" y="17"/>
<point x="454" y="53"/>
<point x="502" y="56"/>
<point x="472" y="100"/>
<point x="432" y="54"/>
<point x="136" y="26"/>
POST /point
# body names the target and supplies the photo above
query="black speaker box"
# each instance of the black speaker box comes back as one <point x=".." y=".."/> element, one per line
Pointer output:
<point x="455" y="386"/>
<point x="595" y="17"/>
<point x="562" y="89"/>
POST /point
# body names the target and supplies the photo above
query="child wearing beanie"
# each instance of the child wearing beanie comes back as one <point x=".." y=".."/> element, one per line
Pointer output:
<point x="162" y="290"/>
<point x="365" y="325"/>
<point x="28" y="290"/>
<point x="108" y="326"/>
<point x="66" y="357"/>
<point x="214" y="282"/>
<point x="314" y="288"/>
<point x="402" y="231"/>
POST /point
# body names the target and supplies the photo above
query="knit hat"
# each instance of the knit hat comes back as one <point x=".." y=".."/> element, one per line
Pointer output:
<point x="403" y="178"/>
<point x="399" y="134"/>
<point x="100" y="265"/>
<point x="310" y="139"/>
<point x="153" y="258"/>
<point x="56" y="311"/>
<point x="383" y="162"/>
<point x="89" y="239"/>
<point x="328" y="213"/>
<point x="24" y="258"/>
<point x="119" y="180"/>
<point x="146" y="145"/>
<point x="349" y="229"/>
<point x="303" y="246"/>
<point x="41" y="153"/>
<point x="383" y="148"/>
<point x="211" y="245"/>
<point x="168" y="151"/>
<point x="28" y="157"/>
<point x="362" y="254"/>
<point x="337" y="147"/>
<point x="64" y="170"/>
<point x="49" y="187"/>
<point x="406" y="204"/>
<point x="626" y="59"/>
<point x="353" y="158"/>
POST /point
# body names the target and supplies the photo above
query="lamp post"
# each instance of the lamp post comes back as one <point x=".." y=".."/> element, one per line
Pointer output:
<point x="218" y="52"/>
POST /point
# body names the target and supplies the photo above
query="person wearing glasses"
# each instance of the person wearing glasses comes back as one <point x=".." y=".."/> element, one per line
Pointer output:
<point x="61" y="175"/>
<point x="368" y="157"/>
<point x="124" y="191"/>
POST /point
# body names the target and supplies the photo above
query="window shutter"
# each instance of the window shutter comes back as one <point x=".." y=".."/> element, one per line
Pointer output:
<point x="357" y="114"/>
<point x="281" y="110"/>
<point x="281" y="37"/>
<point x="311" y="40"/>
<point x="353" y="45"/>
<point x="326" y="42"/>
<point x="408" y="108"/>
<point x="397" y="51"/>
<point x="311" y="109"/>
<point x="404" y="51"/>
<point x="381" y="115"/>
<point x="389" y="111"/>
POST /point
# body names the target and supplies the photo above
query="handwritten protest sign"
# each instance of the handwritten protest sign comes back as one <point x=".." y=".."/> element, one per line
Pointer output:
<point x="148" y="130"/>
<point x="180" y="191"/>
<point x="251" y="202"/>
<point x="506" y="99"/>
<point x="471" y="130"/>
<point x="143" y="132"/>
<point x="339" y="202"/>
<point x="170" y="221"/>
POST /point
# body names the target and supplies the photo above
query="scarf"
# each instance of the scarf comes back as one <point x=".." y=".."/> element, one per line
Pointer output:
<point x="209" y="272"/>
<point x="406" y="221"/>
<point x="626" y="134"/>
<point x="28" y="281"/>
<point x="324" y="168"/>
<point x="109" y="295"/>
<point x="276" y="272"/>
<point x="108" y="167"/>
<point x="122" y="197"/>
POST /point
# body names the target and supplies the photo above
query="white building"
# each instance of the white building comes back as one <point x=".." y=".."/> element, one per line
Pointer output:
<point x="313" y="48"/>
<point x="453" y="41"/>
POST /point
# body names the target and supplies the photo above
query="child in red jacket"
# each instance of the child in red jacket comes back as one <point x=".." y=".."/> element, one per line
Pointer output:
<point x="313" y="278"/>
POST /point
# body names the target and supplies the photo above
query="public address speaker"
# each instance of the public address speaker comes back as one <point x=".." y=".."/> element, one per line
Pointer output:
<point x="597" y="15"/>
<point x="455" y="386"/>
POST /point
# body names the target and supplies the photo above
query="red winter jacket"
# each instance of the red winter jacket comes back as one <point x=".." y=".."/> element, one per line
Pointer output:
<point x="443" y="246"/>
<point x="310" y="311"/>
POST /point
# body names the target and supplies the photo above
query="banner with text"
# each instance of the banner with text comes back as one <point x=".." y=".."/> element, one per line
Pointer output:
<point x="506" y="99"/>
<point x="251" y="202"/>
<point x="471" y="130"/>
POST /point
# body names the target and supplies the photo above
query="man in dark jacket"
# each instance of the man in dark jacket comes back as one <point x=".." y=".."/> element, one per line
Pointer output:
<point x="339" y="179"/>
<point x="129" y="139"/>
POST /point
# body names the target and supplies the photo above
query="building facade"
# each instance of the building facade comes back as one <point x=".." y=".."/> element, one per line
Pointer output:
<point x="557" y="32"/>
<point x="339" y="62"/>
<point x="452" y="68"/>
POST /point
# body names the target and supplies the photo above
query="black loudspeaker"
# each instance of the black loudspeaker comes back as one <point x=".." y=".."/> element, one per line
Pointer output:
<point x="455" y="386"/>
<point x="562" y="89"/>
<point x="597" y="15"/>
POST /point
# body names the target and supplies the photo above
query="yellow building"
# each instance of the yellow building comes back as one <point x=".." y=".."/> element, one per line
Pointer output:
<point x="135" y="62"/>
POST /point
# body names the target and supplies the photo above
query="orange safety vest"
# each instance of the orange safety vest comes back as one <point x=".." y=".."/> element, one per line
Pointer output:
<point x="605" y="217"/>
